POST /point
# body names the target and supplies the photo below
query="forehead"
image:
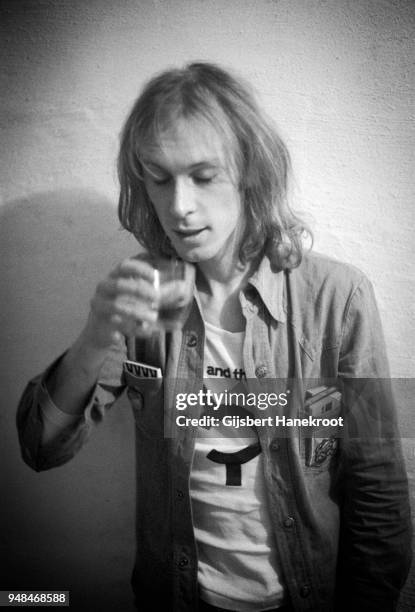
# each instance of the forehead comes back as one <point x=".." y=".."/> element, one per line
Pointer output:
<point x="189" y="141"/>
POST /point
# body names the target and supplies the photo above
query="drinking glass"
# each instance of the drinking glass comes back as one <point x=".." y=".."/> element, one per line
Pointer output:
<point x="174" y="282"/>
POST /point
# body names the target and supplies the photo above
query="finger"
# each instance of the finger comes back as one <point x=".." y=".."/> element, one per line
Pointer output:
<point x="124" y="307"/>
<point x="132" y="327"/>
<point x="130" y="287"/>
<point x="175" y="293"/>
<point x="124" y="325"/>
<point x="143" y="329"/>
<point x="134" y="268"/>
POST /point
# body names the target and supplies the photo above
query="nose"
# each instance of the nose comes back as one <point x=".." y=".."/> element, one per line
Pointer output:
<point x="182" y="199"/>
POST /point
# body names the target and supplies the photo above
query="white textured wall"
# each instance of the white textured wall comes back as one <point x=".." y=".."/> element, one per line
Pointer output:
<point x="338" y="78"/>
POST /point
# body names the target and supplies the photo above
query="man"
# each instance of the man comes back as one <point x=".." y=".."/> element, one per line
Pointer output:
<point x="255" y="519"/>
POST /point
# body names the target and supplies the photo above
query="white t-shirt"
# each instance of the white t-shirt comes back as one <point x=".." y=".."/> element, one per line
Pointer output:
<point x="238" y="567"/>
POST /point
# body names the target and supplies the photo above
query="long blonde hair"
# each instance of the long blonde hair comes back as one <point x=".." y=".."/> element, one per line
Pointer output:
<point x="261" y="158"/>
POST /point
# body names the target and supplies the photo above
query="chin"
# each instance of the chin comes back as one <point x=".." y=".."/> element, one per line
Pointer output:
<point x="194" y="254"/>
<point x="191" y="256"/>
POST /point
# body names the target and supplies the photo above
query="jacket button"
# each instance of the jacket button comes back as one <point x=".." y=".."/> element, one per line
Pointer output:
<point x="289" y="522"/>
<point x="179" y="493"/>
<point x="261" y="371"/>
<point x="184" y="562"/>
<point x="274" y="445"/>
<point x="305" y="591"/>
<point x="192" y="340"/>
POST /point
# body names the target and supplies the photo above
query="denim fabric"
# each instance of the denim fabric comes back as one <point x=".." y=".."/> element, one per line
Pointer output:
<point x="342" y="528"/>
<point x="205" y="607"/>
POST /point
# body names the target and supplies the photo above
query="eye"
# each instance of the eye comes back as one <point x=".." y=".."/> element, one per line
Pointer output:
<point x="203" y="180"/>
<point x="155" y="175"/>
<point x="160" y="180"/>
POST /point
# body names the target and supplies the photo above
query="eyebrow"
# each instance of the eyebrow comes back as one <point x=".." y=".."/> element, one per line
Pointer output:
<point x="208" y="163"/>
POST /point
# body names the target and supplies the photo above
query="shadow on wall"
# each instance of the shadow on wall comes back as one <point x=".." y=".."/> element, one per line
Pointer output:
<point x="72" y="527"/>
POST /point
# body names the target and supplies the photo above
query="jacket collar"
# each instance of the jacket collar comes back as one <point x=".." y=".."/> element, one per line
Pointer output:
<point x="270" y="286"/>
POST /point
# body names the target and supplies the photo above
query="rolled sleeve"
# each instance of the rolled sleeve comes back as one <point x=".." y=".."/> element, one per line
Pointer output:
<point x="48" y="436"/>
<point x="53" y="417"/>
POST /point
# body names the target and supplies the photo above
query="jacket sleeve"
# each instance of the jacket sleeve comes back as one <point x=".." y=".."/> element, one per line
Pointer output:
<point x="375" y="535"/>
<point x="35" y="407"/>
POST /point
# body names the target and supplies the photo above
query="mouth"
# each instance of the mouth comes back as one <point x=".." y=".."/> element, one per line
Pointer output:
<point x="184" y="234"/>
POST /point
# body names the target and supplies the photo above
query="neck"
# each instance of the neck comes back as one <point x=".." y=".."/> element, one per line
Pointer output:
<point x="225" y="275"/>
<point x="218" y="288"/>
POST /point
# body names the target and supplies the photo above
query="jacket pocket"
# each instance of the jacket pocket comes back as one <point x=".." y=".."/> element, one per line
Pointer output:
<point x="317" y="452"/>
<point x="147" y="404"/>
<point x="318" y="442"/>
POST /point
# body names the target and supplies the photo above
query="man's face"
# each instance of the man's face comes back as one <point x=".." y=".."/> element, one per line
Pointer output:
<point x="193" y="191"/>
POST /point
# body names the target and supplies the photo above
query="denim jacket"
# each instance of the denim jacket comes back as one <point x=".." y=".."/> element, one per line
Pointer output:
<point x="341" y="525"/>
